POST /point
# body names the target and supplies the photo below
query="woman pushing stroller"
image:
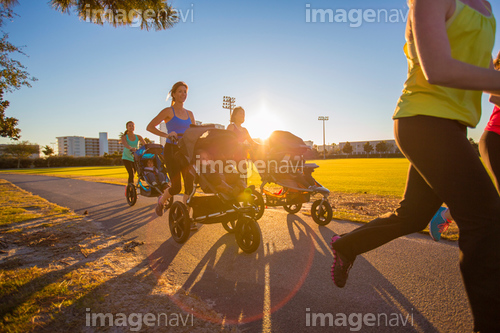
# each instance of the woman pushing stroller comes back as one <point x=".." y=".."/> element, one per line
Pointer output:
<point x="177" y="119"/>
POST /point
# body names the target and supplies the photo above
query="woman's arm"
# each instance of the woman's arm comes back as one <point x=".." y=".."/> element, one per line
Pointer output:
<point x="249" y="138"/>
<point x="125" y="143"/>
<point x="495" y="99"/>
<point x="165" y="114"/>
<point x="434" y="51"/>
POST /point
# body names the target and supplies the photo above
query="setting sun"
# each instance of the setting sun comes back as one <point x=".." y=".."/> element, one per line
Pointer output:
<point x="262" y="123"/>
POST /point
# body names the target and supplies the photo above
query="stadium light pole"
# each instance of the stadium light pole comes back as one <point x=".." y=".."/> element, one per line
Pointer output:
<point x="323" y="118"/>
<point x="228" y="103"/>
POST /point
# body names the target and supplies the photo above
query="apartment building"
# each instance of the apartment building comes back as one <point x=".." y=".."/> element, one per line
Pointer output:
<point x="80" y="146"/>
<point x="71" y="146"/>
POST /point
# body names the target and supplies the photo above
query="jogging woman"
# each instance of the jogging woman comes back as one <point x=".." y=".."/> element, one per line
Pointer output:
<point x="178" y="120"/>
<point x="130" y="142"/>
<point x="449" y="45"/>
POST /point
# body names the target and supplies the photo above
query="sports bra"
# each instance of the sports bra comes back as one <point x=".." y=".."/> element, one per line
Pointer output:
<point x="177" y="125"/>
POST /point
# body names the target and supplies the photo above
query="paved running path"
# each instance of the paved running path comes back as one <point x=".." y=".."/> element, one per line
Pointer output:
<point x="409" y="285"/>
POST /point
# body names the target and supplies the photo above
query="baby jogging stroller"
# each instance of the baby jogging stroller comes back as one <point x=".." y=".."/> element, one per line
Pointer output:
<point x="147" y="188"/>
<point x="283" y="154"/>
<point x="214" y="205"/>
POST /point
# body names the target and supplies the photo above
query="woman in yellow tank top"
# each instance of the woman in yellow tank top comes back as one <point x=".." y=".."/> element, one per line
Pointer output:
<point x="449" y="46"/>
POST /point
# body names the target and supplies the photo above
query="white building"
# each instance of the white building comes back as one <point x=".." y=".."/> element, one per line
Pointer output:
<point x="103" y="143"/>
<point x="163" y="128"/>
<point x="309" y="143"/>
<point x="320" y="148"/>
<point x="71" y="145"/>
<point x="80" y="146"/>
<point x="358" y="147"/>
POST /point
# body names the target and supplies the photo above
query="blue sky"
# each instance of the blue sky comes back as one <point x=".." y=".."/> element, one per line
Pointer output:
<point x="283" y="70"/>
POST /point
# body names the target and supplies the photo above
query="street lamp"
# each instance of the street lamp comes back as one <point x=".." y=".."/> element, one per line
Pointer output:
<point x="323" y="118"/>
<point x="228" y="103"/>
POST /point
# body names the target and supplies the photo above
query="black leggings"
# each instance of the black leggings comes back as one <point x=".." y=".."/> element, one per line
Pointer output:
<point x="176" y="165"/>
<point x="129" y="165"/>
<point x="444" y="167"/>
<point x="489" y="146"/>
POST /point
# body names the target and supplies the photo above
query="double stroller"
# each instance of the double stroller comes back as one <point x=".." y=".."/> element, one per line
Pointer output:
<point x="283" y="156"/>
<point x="147" y="185"/>
<point x="225" y="198"/>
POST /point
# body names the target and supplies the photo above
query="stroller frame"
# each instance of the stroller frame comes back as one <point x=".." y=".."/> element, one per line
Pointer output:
<point x="143" y="186"/>
<point x="215" y="207"/>
<point x="292" y="197"/>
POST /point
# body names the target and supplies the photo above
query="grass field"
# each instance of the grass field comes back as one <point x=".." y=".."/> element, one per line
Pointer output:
<point x="381" y="176"/>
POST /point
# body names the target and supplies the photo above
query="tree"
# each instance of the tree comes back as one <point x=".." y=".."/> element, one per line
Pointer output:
<point x="47" y="150"/>
<point x="150" y="14"/>
<point x="347" y="148"/>
<point x="13" y="74"/>
<point x="368" y="148"/>
<point x="22" y="149"/>
<point x="381" y="147"/>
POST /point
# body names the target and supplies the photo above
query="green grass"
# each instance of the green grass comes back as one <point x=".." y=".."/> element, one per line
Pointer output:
<point x="18" y="206"/>
<point x="380" y="176"/>
<point x="107" y="174"/>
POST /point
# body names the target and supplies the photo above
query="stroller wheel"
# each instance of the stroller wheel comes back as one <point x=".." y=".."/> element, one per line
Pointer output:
<point x="230" y="226"/>
<point x="179" y="222"/>
<point x="131" y="194"/>
<point x="169" y="203"/>
<point x="294" y="208"/>
<point x="321" y="212"/>
<point x="247" y="234"/>
<point x="258" y="202"/>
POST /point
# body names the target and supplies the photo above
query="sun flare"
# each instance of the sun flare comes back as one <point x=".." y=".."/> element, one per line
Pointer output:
<point x="262" y="123"/>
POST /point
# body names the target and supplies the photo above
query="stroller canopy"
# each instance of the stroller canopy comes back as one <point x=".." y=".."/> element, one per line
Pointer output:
<point x="221" y="144"/>
<point x="148" y="151"/>
<point x="282" y="141"/>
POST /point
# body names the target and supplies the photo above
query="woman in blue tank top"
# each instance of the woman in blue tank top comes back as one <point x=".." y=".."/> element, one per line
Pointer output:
<point x="177" y="120"/>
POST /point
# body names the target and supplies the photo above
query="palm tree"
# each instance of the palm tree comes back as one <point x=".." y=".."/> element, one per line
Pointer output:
<point x="152" y="14"/>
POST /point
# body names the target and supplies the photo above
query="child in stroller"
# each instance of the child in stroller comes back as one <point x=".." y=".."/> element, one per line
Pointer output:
<point x="154" y="176"/>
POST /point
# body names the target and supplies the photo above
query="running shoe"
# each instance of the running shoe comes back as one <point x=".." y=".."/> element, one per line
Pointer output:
<point x="159" y="208"/>
<point x="438" y="224"/>
<point x="341" y="266"/>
